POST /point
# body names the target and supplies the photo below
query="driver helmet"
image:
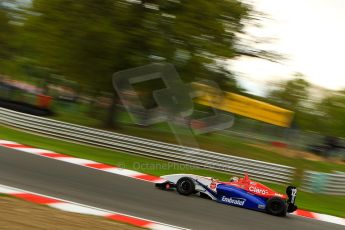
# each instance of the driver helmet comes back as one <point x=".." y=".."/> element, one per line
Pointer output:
<point x="234" y="179"/>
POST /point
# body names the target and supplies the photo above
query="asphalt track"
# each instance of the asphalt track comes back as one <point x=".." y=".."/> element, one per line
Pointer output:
<point x="117" y="193"/>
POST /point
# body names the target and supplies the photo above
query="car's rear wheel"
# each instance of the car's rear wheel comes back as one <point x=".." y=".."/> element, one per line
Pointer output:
<point x="276" y="206"/>
<point x="185" y="186"/>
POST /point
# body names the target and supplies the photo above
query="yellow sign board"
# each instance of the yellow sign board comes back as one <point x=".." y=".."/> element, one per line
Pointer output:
<point x="245" y="106"/>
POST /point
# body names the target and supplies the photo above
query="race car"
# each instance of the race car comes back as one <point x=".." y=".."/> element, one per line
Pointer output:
<point x="240" y="192"/>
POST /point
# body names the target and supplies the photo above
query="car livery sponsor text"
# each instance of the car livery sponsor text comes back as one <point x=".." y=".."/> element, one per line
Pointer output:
<point x="234" y="200"/>
<point x="261" y="206"/>
<point x="258" y="190"/>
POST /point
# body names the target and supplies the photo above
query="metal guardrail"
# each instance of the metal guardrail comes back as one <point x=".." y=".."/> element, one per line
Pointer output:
<point x="324" y="183"/>
<point x="145" y="147"/>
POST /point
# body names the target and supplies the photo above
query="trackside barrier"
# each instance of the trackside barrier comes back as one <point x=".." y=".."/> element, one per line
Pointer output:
<point x="145" y="147"/>
<point x="324" y="183"/>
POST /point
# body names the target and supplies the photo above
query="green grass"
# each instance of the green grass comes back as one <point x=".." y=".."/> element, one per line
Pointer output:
<point x="74" y="114"/>
<point x="239" y="147"/>
<point x="214" y="142"/>
<point x="333" y="205"/>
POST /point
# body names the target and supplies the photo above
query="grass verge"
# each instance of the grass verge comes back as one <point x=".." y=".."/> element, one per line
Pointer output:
<point x="217" y="142"/>
<point x="333" y="205"/>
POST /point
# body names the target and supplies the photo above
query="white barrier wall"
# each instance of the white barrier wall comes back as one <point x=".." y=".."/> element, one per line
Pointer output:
<point x="196" y="157"/>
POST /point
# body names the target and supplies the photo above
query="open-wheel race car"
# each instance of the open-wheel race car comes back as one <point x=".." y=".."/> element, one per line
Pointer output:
<point x="241" y="192"/>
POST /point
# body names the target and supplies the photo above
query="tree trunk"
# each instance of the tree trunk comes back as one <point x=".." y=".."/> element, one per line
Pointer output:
<point x="93" y="105"/>
<point x="111" y="119"/>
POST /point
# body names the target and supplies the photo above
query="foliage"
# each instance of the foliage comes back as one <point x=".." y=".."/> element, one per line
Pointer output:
<point x="5" y="33"/>
<point x="328" y="112"/>
<point x="332" y="109"/>
<point x="88" y="41"/>
<point x="291" y="94"/>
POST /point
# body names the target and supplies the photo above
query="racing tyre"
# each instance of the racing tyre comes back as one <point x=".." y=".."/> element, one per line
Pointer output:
<point x="185" y="186"/>
<point x="276" y="206"/>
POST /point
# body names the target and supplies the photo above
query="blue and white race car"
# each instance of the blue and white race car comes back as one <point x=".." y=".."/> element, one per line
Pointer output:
<point x="241" y="192"/>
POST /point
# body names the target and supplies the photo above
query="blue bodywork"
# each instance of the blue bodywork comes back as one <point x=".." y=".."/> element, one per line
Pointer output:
<point x="231" y="195"/>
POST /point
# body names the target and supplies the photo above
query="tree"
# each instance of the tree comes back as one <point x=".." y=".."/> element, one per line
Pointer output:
<point x="332" y="114"/>
<point x="291" y="94"/>
<point x="90" y="40"/>
<point x="5" y="33"/>
<point x="10" y="23"/>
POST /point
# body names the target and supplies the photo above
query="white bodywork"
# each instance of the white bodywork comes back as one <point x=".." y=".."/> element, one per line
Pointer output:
<point x="209" y="182"/>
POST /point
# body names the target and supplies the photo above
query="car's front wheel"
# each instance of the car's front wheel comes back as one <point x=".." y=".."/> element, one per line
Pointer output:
<point x="185" y="186"/>
<point x="276" y="206"/>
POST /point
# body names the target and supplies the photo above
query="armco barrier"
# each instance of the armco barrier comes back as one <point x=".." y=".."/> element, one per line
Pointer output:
<point x="196" y="157"/>
<point x="324" y="183"/>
